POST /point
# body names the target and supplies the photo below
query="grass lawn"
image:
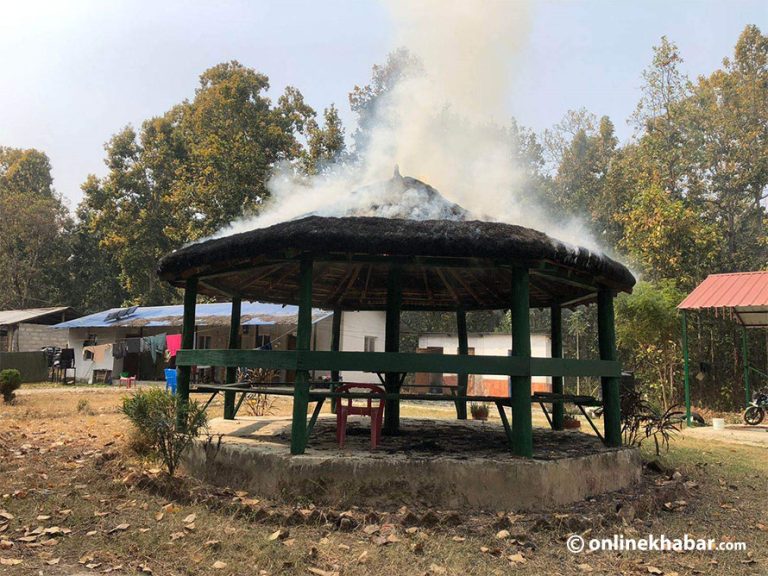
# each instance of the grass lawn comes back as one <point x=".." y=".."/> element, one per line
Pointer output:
<point x="75" y="499"/>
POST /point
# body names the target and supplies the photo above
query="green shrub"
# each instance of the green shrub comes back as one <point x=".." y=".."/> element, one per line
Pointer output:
<point x="154" y="414"/>
<point x="10" y="381"/>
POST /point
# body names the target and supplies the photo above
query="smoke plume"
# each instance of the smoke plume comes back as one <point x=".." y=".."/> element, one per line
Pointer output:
<point x="446" y="127"/>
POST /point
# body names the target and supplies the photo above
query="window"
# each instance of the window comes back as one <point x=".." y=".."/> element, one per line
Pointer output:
<point x="203" y="342"/>
<point x="261" y="340"/>
<point x="370" y="344"/>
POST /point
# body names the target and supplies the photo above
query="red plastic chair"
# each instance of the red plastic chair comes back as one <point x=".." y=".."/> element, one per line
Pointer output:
<point x="375" y="412"/>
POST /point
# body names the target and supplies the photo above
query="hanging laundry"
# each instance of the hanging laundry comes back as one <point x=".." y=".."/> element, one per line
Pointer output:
<point x="96" y="353"/>
<point x="173" y="344"/>
<point x="155" y="345"/>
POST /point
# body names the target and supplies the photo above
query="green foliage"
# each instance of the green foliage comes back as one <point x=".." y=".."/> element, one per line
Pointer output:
<point x="34" y="227"/>
<point x="648" y="333"/>
<point x="640" y="421"/>
<point x="190" y="172"/>
<point x="154" y="414"/>
<point x="667" y="238"/>
<point x="10" y="381"/>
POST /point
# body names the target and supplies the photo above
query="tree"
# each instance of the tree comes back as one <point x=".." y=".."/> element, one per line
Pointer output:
<point x="667" y="239"/>
<point x="363" y="101"/>
<point x="188" y="173"/>
<point x="34" y="243"/>
<point x="660" y="115"/>
<point x="325" y="145"/>
<point x="231" y="137"/>
<point x="579" y="185"/>
<point x="647" y="335"/>
<point x="730" y="173"/>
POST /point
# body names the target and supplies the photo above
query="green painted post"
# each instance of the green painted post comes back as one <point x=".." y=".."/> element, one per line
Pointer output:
<point x="522" y="426"/>
<point x="556" y="334"/>
<point x="303" y="341"/>
<point x="462" y="379"/>
<point x="686" y="368"/>
<point x="392" y="344"/>
<point x="606" y="331"/>
<point x="187" y="343"/>
<point x="335" y="347"/>
<point x="234" y="344"/>
<point x="745" y="354"/>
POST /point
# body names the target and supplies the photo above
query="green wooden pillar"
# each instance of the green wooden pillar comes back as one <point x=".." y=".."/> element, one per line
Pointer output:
<point x="392" y="344"/>
<point x="303" y="341"/>
<point x="745" y="355"/>
<point x="522" y="426"/>
<point x="686" y="368"/>
<point x="187" y="343"/>
<point x="556" y="334"/>
<point x="610" y="384"/>
<point x="463" y="379"/>
<point x="234" y="344"/>
<point x="335" y="347"/>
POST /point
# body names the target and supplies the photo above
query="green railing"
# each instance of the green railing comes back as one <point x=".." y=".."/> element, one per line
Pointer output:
<point x="399" y="362"/>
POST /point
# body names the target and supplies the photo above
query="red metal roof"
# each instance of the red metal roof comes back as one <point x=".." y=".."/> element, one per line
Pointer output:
<point x="740" y="290"/>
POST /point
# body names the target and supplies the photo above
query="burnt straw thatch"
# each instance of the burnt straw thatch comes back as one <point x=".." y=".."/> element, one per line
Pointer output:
<point x="445" y="264"/>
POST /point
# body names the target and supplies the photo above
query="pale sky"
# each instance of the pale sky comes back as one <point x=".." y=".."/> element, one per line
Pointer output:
<point x="72" y="73"/>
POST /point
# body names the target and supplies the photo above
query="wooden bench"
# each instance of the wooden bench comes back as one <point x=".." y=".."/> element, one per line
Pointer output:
<point x="579" y="400"/>
<point x="320" y="391"/>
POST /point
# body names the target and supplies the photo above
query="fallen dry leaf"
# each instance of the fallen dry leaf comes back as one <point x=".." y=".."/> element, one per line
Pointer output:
<point x="219" y="565"/>
<point x="119" y="528"/>
<point x="10" y="561"/>
<point x="190" y="519"/>
<point x="319" y="572"/>
<point x="278" y="535"/>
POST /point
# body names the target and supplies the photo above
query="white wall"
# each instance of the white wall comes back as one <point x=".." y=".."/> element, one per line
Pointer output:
<point x="489" y="345"/>
<point x="355" y="326"/>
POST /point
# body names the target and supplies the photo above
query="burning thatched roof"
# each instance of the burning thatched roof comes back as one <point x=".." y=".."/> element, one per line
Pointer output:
<point x="445" y="263"/>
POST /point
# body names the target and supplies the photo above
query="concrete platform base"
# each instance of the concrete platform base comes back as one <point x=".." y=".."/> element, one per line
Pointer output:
<point x="438" y="463"/>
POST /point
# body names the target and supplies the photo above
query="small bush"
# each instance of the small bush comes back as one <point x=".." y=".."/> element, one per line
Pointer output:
<point x="84" y="407"/>
<point x="154" y="414"/>
<point x="10" y="381"/>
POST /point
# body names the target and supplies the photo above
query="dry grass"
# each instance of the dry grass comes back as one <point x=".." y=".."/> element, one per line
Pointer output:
<point x="70" y="471"/>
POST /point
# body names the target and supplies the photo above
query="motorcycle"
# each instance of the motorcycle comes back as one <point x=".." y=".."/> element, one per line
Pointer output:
<point x="755" y="412"/>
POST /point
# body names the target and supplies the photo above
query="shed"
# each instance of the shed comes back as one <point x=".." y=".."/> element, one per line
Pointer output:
<point x="29" y="330"/>
<point x="741" y="295"/>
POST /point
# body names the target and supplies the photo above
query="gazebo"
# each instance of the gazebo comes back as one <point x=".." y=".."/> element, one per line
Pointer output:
<point x="390" y="264"/>
<point x="743" y="296"/>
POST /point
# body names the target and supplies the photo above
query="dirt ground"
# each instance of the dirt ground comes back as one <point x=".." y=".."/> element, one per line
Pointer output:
<point x="74" y="499"/>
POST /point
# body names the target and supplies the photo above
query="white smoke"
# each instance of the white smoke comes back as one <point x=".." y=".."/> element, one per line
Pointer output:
<point x="442" y="127"/>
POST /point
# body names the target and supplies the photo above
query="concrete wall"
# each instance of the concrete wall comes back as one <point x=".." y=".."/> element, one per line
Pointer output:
<point x="491" y="345"/>
<point x="33" y="337"/>
<point x="477" y="483"/>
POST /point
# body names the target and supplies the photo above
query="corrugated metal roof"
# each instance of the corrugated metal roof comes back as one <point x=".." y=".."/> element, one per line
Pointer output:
<point x="15" y="316"/>
<point x="743" y="289"/>
<point x="252" y="314"/>
<point x="745" y="293"/>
